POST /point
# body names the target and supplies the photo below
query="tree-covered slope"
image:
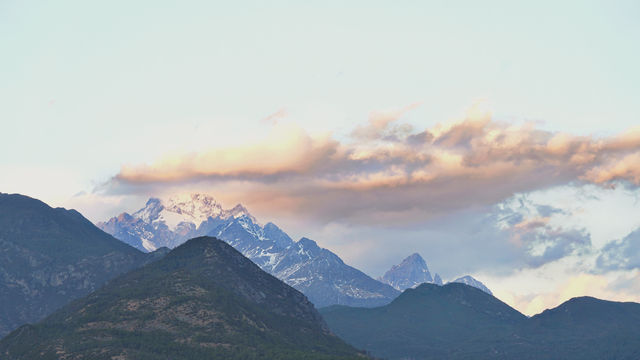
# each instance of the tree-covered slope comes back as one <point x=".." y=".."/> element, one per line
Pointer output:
<point x="456" y="321"/>
<point x="203" y="300"/>
<point x="51" y="256"/>
<point x="428" y="322"/>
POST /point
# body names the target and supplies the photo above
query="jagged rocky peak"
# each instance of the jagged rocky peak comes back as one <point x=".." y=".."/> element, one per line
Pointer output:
<point x="197" y="206"/>
<point x="317" y="272"/>
<point x="411" y="272"/>
<point x="203" y="300"/>
<point x="437" y="279"/>
<point x="469" y="280"/>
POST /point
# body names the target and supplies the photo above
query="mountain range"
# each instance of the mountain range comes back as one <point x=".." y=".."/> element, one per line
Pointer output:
<point x="103" y="299"/>
<point x="203" y="300"/>
<point x="318" y="273"/>
<point x="50" y="256"/>
<point x="457" y="321"/>
<point x="413" y="271"/>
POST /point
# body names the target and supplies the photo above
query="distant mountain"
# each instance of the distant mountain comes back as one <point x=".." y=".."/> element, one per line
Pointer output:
<point x="453" y="321"/>
<point x="170" y="223"/>
<point x="457" y="321"/>
<point x="411" y="272"/>
<point x="586" y="328"/>
<point x="320" y="274"/>
<point x="326" y="279"/>
<point x="49" y="257"/>
<point x="204" y="300"/>
<point x="437" y="280"/>
<point x="469" y="280"/>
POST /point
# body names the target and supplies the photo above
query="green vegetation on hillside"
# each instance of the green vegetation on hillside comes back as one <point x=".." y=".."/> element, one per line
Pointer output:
<point x="204" y="300"/>
<point x="457" y="321"/>
<point x="49" y="257"/>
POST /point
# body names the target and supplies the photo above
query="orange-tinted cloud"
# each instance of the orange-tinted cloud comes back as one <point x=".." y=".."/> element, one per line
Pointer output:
<point x="388" y="171"/>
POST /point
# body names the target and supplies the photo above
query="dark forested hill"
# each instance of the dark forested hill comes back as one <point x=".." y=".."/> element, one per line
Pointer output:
<point x="51" y="256"/>
<point x="456" y="321"/>
<point x="204" y="300"/>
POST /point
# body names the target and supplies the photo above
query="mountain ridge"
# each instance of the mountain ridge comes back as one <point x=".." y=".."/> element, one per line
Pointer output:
<point x="202" y="300"/>
<point x="50" y="256"/>
<point x="315" y="271"/>
<point x="458" y="321"/>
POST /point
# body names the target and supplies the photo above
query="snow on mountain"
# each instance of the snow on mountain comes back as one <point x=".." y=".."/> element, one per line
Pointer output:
<point x="410" y="273"/>
<point x="469" y="280"/>
<point x="318" y="273"/>
<point x="437" y="280"/>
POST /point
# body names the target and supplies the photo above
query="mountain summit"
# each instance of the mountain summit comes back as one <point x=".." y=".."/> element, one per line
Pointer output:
<point x="170" y="222"/>
<point x="320" y="274"/>
<point x="202" y="300"/>
<point x="457" y="321"/>
<point x="471" y="281"/>
<point x="411" y="272"/>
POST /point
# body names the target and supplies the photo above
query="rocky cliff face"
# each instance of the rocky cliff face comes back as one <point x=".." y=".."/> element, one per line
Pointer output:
<point x="411" y="272"/>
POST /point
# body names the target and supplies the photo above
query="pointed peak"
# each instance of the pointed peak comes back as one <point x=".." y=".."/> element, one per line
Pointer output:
<point x="306" y="242"/>
<point x="124" y="217"/>
<point x="271" y="225"/>
<point x="415" y="257"/>
<point x="471" y="281"/>
<point x="153" y="201"/>
<point x="437" y="279"/>
<point x="239" y="210"/>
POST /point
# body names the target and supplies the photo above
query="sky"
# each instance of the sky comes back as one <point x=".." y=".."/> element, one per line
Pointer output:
<point x="499" y="138"/>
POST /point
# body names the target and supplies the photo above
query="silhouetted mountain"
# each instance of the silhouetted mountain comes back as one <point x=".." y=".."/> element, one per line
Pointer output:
<point x="51" y="256"/>
<point x="586" y="328"/>
<point x="457" y="321"/>
<point x="428" y="322"/>
<point x="204" y="300"/>
<point x="320" y="274"/>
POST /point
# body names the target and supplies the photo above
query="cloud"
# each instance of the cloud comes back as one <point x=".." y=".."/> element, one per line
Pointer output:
<point x="623" y="254"/>
<point x="276" y="116"/>
<point x="387" y="172"/>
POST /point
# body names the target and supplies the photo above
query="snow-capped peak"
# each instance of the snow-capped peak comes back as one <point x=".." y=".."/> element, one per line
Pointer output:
<point x="193" y="208"/>
<point x="236" y="212"/>
<point x="150" y="212"/>
<point x="411" y="272"/>
<point x="469" y="280"/>
<point x="198" y="207"/>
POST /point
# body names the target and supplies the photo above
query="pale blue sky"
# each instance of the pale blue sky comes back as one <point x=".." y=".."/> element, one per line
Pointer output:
<point x="78" y="74"/>
<point x="86" y="87"/>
